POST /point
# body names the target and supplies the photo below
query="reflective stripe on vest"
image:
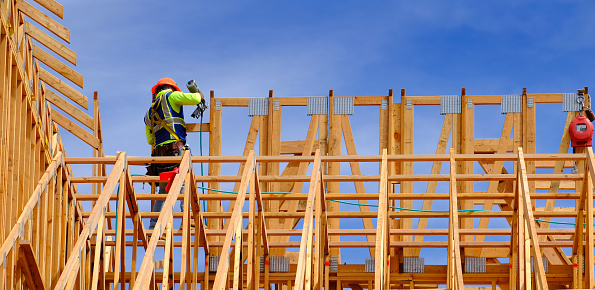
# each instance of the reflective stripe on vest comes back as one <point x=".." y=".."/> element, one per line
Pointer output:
<point x="172" y="119"/>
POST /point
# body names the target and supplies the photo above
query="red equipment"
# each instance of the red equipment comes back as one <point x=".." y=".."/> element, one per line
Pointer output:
<point x="581" y="132"/>
<point x="169" y="177"/>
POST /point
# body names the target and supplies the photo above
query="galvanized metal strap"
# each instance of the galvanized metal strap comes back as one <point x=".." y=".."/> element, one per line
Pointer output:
<point x="475" y="264"/>
<point x="214" y="263"/>
<point x="258" y="107"/>
<point x="334" y="264"/>
<point x="317" y="106"/>
<point x="572" y="102"/>
<point x="413" y="265"/>
<point x="279" y="264"/>
<point x="276" y="264"/>
<point x="450" y="104"/>
<point x="370" y="266"/>
<point x="343" y="105"/>
<point x="511" y="104"/>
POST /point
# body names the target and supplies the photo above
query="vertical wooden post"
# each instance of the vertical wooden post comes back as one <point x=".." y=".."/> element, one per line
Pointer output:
<point x="406" y="166"/>
<point x="251" y="219"/>
<point x="529" y="134"/>
<point x="215" y="168"/>
<point x="334" y="168"/>
<point x="467" y="147"/>
<point x="590" y="261"/>
<point x="274" y="149"/>
<point x="521" y="239"/>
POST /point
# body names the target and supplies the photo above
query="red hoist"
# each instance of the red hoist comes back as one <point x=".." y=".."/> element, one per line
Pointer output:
<point x="581" y="129"/>
<point x="581" y="132"/>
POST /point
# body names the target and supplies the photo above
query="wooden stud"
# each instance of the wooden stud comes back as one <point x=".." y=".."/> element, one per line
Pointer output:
<point x="406" y="167"/>
<point x="58" y="66"/>
<point x="45" y="21"/>
<point x="63" y="88"/>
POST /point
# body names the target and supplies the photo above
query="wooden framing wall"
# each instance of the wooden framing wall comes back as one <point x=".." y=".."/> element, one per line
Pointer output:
<point x="39" y="215"/>
<point x="288" y="193"/>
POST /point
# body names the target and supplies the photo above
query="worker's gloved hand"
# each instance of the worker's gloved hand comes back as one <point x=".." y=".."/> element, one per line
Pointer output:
<point x="203" y="102"/>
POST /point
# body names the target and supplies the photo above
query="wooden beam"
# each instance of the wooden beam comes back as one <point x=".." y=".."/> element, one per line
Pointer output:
<point x="146" y="270"/>
<point x="296" y="147"/>
<point x="27" y="261"/>
<point x="75" y="129"/>
<point x="306" y="239"/>
<point x="68" y="108"/>
<point x="63" y="88"/>
<point x="45" y="21"/>
<point x="50" y="43"/>
<point x="195" y="127"/>
<point x="221" y="276"/>
<point x="27" y="211"/>
<point x="382" y="236"/>
<point x="530" y="223"/>
<point x="590" y="247"/>
<point x="53" y="7"/>
<point x="455" y="249"/>
<point x="58" y="66"/>
<point x="73" y="262"/>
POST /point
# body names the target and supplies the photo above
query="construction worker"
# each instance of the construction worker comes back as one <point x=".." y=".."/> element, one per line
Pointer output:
<point x="166" y="129"/>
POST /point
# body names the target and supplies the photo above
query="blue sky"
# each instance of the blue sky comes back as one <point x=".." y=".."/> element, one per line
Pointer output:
<point x="302" y="48"/>
<point x="305" y="48"/>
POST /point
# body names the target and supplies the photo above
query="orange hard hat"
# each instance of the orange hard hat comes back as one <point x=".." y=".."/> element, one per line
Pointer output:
<point x="165" y="81"/>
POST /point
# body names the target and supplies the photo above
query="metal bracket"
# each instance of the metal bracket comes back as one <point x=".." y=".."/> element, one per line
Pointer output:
<point x="279" y="264"/>
<point x="317" y="106"/>
<point x="413" y="265"/>
<point x="217" y="105"/>
<point x="276" y="105"/>
<point x="334" y="264"/>
<point x="475" y="264"/>
<point x="572" y="102"/>
<point x="370" y="266"/>
<point x="511" y="104"/>
<point x="384" y="104"/>
<point x="343" y="106"/>
<point x="450" y="104"/>
<point x="530" y="102"/>
<point x="213" y="263"/>
<point x="409" y="104"/>
<point x="469" y="104"/>
<point x="4" y="260"/>
<point x="258" y="107"/>
<point x="276" y="264"/>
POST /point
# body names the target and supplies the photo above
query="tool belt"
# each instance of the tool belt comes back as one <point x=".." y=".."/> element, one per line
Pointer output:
<point x="170" y="149"/>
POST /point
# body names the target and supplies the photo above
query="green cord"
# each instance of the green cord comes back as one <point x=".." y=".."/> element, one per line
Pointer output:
<point x="373" y="205"/>
<point x="204" y="206"/>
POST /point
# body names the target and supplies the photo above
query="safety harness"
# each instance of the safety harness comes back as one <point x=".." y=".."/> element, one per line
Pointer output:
<point x="170" y="121"/>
